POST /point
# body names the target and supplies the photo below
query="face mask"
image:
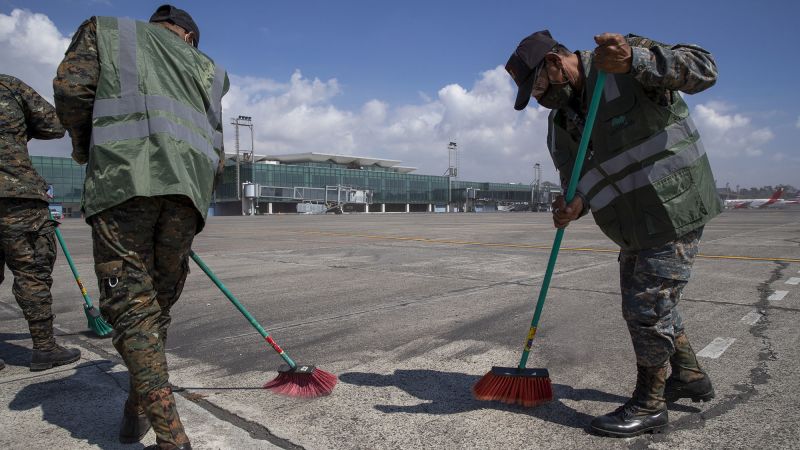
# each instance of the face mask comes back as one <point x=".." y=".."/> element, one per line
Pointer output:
<point x="557" y="96"/>
<point x="553" y="94"/>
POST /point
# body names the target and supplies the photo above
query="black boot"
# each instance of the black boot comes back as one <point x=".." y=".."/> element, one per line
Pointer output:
<point x="57" y="356"/>
<point x="645" y="412"/>
<point x="135" y="424"/>
<point x="2" y="364"/>
<point x="687" y="380"/>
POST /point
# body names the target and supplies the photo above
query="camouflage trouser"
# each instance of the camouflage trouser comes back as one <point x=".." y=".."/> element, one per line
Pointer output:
<point x="28" y="248"/>
<point x="141" y="252"/>
<point x="652" y="281"/>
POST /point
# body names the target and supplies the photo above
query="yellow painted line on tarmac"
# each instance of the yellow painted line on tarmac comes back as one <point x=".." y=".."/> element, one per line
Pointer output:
<point x="531" y="246"/>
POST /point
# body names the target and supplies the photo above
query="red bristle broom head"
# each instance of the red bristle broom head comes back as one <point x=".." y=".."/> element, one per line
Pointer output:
<point x="512" y="385"/>
<point x="302" y="381"/>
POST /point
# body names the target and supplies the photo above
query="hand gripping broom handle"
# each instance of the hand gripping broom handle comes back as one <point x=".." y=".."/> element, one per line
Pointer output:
<point x="72" y="265"/>
<point x="571" y="188"/>
<point x="242" y="310"/>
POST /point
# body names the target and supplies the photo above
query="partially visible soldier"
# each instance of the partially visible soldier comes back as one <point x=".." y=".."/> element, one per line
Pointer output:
<point x="27" y="234"/>
<point x="143" y="108"/>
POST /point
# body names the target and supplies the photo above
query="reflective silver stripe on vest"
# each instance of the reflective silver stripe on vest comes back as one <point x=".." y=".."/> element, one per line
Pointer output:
<point x="669" y="137"/>
<point x="610" y="88"/>
<point x="128" y="72"/>
<point x="144" y="128"/>
<point x="131" y="101"/>
<point x="648" y="175"/>
<point x="143" y="103"/>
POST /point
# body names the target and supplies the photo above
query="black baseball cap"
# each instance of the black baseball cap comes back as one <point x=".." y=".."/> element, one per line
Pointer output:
<point x="179" y="17"/>
<point x="523" y="63"/>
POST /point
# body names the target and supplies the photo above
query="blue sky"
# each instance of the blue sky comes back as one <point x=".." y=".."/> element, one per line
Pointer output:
<point x="400" y="79"/>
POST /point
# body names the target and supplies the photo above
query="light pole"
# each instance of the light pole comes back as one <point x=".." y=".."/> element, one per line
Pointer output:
<point x="452" y="170"/>
<point x="242" y="121"/>
<point x="535" y="187"/>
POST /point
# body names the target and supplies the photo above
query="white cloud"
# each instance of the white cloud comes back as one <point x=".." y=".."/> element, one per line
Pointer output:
<point x="496" y="142"/>
<point x="31" y="48"/>
<point x="730" y="135"/>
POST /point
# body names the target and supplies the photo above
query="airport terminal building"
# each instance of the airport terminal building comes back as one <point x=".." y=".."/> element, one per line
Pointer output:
<point x="319" y="182"/>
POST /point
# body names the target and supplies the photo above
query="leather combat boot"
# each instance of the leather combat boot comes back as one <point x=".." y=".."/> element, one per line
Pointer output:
<point x="645" y="412"/>
<point x="159" y="405"/>
<point x="57" y="356"/>
<point x="687" y="380"/>
<point x="135" y="424"/>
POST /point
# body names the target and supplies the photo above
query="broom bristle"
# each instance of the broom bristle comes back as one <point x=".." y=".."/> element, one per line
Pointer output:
<point x="305" y="385"/>
<point x="525" y="390"/>
<point x="95" y="321"/>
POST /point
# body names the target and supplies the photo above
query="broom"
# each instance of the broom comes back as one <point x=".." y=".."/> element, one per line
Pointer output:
<point x="93" y="317"/>
<point x="532" y="387"/>
<point x="293" y="380"/>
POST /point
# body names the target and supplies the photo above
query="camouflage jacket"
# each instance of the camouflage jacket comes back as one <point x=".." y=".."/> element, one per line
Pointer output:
<point x="24" y="115"/>
<point x="75" y="86"/>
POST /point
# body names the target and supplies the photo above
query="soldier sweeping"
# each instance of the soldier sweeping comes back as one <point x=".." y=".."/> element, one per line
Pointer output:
<point x="27" y="234"/>
<point x="648" y="183"/>
<point x="143" y="108"/>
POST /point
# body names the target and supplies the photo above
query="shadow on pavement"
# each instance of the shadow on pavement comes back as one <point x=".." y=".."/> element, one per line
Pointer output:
<point x="451" y="393"/>
<point x="13" y="354"/>
<point x="87" y="404"/>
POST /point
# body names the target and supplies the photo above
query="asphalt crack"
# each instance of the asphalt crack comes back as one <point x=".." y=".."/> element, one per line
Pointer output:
<point x="759" y="375"/>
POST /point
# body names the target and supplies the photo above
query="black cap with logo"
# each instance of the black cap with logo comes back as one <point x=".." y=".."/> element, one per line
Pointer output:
<point x="179" y="17"/>
<point x="523" y="63"/>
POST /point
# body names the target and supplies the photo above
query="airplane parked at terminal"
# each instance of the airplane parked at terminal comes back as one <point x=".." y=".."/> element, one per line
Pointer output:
<point x="757" y="203"/>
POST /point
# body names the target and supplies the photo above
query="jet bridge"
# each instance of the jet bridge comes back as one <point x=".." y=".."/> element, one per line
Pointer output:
<point x="314" y="200"/>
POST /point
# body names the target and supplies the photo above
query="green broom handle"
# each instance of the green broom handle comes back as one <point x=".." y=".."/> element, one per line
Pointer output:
<point x="71" y="264"/>
<point x="571" y="188"/>
<point x="242" y="309"/>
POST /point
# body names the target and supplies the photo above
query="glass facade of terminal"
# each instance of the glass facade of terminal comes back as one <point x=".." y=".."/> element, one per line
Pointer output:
<point x="387" y="186"/>
<point x="64" y="175"/>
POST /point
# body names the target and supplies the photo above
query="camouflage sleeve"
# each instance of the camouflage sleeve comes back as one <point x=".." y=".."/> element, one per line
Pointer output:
<point x="40" y="116"/>
<point x="75" y="86"/>
<point x="683" y="67"/>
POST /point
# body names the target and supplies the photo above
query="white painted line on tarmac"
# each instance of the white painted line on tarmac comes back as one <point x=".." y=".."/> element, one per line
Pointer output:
<point x="793" y="280"/>
<point x="752" y="317"/>
<point x="716" y="348"/>
<point x="777" y="295"/>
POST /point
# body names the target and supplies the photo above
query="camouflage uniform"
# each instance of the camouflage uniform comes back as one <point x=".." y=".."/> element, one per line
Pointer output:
<point x="141" y="249"/>
<point x="141" y="275"/>
<point x="652" y="279"/>
<point x="27" y="234"/>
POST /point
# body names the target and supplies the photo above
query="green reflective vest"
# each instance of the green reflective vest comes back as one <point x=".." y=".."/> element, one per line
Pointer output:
<point x="157" y="118"/>
<point x="646" y="176"/>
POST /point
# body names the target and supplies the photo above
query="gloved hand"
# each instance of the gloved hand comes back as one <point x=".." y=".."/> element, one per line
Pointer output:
<point x="563" y="214"/>
<point x="613" y="54"/>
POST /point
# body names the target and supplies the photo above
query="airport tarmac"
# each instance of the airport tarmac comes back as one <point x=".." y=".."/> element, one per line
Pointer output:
<point x="410" y="310"/>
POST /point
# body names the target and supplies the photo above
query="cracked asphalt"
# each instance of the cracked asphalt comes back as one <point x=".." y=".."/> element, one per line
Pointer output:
<point x="410" y="310"/>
